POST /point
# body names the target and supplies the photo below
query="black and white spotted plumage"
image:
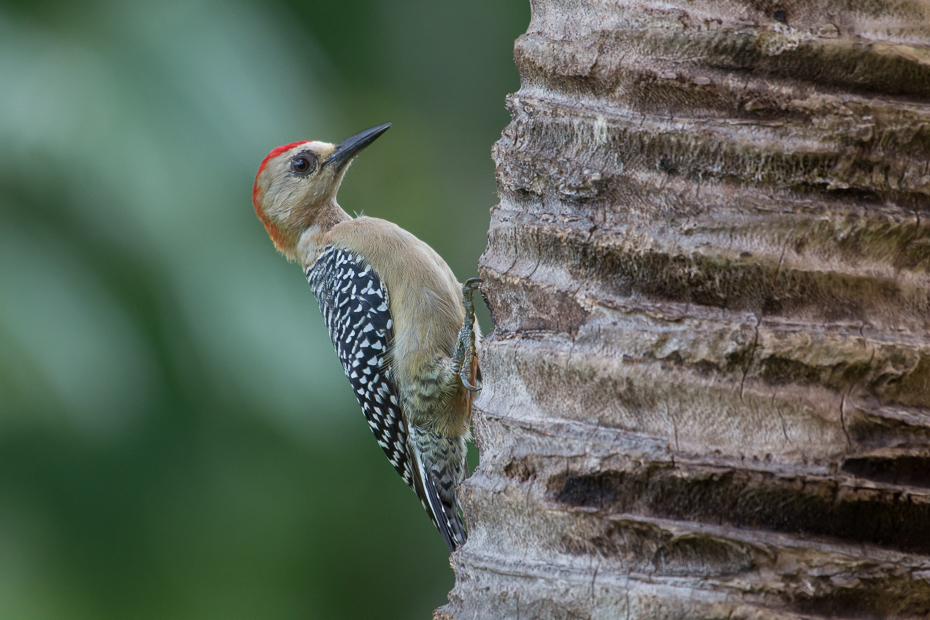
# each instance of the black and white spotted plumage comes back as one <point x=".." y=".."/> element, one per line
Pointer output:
<point x="356" y="307"/>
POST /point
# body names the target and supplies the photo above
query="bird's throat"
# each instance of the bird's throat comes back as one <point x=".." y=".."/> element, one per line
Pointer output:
<point x="316" y="236"/>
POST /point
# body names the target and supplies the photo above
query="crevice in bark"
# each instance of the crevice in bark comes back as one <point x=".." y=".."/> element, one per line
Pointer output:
<point x="903" y="469"/>
<point x="802" y="506"/>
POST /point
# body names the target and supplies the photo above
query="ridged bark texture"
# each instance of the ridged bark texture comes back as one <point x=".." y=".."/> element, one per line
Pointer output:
<point x="707" y="394"/>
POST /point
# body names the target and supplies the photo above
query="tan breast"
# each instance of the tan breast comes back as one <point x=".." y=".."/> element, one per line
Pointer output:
<point x="424" y="294"/>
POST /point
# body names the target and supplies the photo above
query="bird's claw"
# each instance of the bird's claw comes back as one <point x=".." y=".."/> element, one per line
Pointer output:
<point x="468" y="290"/>
<point x="471" y="284"/>
<point x="468" y="386"/>
<point x="466" y="345"/>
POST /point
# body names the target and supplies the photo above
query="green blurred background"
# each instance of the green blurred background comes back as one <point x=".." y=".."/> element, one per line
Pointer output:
<point x="177" y="439"/>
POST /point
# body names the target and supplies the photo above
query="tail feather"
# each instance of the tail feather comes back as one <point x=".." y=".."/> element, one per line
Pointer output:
<point x="444" y="515"/>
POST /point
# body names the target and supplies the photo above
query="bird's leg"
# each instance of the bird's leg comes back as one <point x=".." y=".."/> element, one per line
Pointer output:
<point x="465" y="347"/>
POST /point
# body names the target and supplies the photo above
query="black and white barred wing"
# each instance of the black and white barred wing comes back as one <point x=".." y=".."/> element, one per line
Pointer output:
<point x="355" y="306"/>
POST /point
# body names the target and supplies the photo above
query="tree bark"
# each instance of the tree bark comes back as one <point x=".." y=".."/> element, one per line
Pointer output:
<point x="707" y="393"/>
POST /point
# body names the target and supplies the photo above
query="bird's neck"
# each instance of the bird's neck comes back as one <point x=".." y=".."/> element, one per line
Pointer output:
<point x="316" y="236"/>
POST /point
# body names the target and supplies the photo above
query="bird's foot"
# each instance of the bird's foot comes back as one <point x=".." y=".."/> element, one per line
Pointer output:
<point x="465" y="348"/>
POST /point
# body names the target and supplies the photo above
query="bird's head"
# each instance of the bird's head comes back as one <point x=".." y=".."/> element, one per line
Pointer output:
<point x="297" y="182"/>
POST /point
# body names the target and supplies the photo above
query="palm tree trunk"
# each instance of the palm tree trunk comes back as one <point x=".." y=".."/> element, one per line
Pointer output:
<point x="707" y="393"/>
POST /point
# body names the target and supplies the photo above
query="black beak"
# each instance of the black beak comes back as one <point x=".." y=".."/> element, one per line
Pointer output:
<point x="349" y="148"/>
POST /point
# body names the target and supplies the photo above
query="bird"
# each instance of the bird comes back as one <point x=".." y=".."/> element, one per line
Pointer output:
<point x="403" y="327"/>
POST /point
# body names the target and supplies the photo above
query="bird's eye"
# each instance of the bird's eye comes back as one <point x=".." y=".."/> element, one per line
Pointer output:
<point x="303" y="163"/>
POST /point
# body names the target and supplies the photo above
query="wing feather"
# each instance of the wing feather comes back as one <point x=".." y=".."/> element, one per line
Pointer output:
<point x="356" y="308"/>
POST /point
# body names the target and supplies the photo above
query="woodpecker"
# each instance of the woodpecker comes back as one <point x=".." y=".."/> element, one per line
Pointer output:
<point x="402" y="326"/>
